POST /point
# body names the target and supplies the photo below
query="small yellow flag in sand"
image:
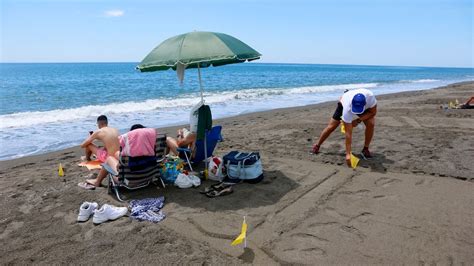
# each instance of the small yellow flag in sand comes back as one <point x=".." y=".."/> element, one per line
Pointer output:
<point x="242" y="236"/>
<point x="60" y="171"/>
<point x="343" y="128"/>
<point x="354" y="161"/>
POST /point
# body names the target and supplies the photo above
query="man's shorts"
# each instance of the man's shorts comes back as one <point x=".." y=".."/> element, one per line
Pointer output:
<point x="338" y="113"/>
<point x="102" y="154"/>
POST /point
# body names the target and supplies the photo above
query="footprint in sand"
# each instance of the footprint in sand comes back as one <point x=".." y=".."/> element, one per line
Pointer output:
<point x="26" y="208"/>
<point x="319" y="224"/>
<point x="420" y="182"/>
<point x="385" y="181"/>
<point x="11" y="227"/>
<point x="359" y="193"/>
<point x="353" y="232"/>
<point x="361" y="217"/>
<point x="301" y="248"/>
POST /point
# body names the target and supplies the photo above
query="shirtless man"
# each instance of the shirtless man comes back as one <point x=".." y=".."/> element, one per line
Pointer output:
<point x="109" y="154"/>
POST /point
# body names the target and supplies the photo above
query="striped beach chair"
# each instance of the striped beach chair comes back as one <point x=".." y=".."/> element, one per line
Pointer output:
<point x="138" y="172"/>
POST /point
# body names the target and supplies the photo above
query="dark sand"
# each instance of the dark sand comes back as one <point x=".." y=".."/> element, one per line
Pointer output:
<point x="412" y="204"/>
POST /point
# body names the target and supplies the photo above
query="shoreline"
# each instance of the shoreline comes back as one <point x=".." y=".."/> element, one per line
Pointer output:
<point x="171" y="129"/>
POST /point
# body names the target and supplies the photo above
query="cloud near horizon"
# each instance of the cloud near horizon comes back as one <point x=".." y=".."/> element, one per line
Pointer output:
<point x="114" y="13"/>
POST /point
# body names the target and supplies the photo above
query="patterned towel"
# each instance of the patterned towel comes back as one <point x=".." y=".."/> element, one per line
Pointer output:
<point x="147" y="209"/>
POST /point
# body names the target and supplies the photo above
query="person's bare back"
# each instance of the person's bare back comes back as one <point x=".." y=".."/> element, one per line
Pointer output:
<point x="109" y="136"/>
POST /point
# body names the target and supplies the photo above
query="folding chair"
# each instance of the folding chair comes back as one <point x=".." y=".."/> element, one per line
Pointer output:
<point x="137" y="172"/>
<point x="203" y="148"/>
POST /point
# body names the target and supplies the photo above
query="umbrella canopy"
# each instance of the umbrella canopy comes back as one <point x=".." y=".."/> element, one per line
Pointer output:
<point x="197" y="49"/>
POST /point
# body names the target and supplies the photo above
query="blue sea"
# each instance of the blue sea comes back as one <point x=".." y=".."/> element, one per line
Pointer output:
<point x="47" y="107"/>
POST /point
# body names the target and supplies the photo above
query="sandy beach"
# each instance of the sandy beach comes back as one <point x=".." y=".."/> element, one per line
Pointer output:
<point x="412" y="204"/>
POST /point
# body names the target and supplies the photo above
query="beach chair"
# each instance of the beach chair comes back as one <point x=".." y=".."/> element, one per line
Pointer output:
<point x="203" y="148"/>
<point x="138" y="172"/>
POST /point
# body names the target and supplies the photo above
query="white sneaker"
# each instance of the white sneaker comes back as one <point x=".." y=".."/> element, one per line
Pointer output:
<point x="86" y="210"/>
<point x="108" y="212"/>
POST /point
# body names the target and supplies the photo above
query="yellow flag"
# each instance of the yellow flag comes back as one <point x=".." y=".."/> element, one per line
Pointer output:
<point x="60" y="171"/>
<point x="241" y="237"/>
<point x="343" y="128"/>
<point x="354" y="161"/>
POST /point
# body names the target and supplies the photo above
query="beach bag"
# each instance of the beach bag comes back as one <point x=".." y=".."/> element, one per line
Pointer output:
<point x="245" y="166"/>
<point x="216" y="169"/>
<point x="171" y="170"/>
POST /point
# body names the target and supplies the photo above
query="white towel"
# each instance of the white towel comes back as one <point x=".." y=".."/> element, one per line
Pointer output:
<point x="180" y="72"/>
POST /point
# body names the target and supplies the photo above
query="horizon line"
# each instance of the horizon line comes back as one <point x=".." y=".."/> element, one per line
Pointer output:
<point x="282" y="63"/>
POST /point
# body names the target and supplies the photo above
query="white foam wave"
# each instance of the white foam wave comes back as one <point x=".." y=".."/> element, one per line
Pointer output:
<point x="26" y="119"/>
<point x="421" y="81"/>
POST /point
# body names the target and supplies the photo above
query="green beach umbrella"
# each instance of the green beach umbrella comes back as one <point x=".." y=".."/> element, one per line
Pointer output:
<point x="197" y="50"/>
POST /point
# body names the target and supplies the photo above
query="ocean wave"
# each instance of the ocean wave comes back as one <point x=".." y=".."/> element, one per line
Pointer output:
<point x="420" y="81"/>
<point x="26" y="119"/>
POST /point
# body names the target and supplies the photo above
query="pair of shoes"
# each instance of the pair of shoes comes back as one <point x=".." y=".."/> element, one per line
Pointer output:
<point x="220" y="189"/>
<point x="366" y="154"/>
<point x="315" y="149"/>
<point x="218" y="186"/>
<point x="105" y="213"/>
<point x="226" y="190"/>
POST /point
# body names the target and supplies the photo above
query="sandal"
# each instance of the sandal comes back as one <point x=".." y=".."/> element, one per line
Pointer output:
<point x="218" y="187"/>
<point x="86" y="186"/>
<point x="214" y="193"/>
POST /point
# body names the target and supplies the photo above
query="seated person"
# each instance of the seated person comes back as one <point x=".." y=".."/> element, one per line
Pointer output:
<point x="185" y="139"/>
<point x="109" y="154"/>
<point x="137" y="126"/>
<point x="468" y="105"/>
<point x="139" y="141"/>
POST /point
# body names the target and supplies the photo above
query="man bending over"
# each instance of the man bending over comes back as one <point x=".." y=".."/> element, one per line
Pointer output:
<point x="109" y="154"/>
<point x="360" y="102"/>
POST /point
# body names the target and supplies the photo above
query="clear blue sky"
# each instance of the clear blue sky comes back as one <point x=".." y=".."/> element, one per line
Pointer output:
<point x="382" y="32"/>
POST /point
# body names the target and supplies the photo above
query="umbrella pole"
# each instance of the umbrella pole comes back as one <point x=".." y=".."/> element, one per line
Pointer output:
<point x="205" y="132"/>
<point x="200" y="82"/>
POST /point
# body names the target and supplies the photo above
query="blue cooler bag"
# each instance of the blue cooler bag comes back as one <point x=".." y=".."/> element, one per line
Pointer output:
<point x="243" y="166"/>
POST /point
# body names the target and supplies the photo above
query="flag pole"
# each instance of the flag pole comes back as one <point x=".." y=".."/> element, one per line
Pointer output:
<point x="245" y="239"/>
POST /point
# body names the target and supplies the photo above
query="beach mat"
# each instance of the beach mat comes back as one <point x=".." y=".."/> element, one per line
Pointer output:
<point x="91" y="164"/>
